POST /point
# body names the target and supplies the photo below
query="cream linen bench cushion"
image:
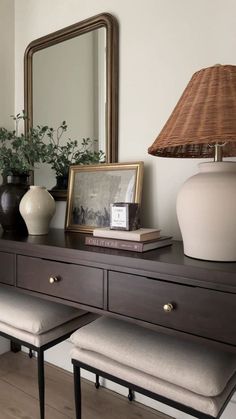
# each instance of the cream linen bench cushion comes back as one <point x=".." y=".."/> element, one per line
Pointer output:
<point x="39" y="325"/>
<point x="191" y="374"/>
<point x="34" y="320"/>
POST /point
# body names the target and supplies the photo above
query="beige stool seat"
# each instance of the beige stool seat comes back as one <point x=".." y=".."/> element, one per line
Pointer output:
<point x="37" y="324"/>
<point x="34" y="320"/>
<point x="197" y="377"/>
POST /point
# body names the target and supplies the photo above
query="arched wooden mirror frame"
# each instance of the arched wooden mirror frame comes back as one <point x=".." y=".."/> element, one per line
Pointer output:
<point x="103" y="20"/>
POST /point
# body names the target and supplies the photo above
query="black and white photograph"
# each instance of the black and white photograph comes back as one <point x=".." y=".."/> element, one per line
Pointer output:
<point x="93" y="188"/>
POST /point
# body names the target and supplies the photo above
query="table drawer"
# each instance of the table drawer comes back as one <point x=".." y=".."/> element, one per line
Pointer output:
<point x="77" y="283"/>
<point x="196" y="310"/>
<point x="7" y="268"/>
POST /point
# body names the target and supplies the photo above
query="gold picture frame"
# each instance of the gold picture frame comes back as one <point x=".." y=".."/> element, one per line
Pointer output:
<point x="92" y="188"/>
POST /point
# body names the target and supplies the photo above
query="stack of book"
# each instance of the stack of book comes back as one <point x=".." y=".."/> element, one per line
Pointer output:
<point x="139" y="240"/>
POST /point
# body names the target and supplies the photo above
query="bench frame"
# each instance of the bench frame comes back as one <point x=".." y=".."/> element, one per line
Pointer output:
<point x="40" y="361"/>
<point x="77" y="365"/>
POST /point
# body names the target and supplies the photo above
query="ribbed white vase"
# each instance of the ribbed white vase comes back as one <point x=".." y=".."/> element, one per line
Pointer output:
<point x="37" y="208"/>
<point x="206" y="210"/>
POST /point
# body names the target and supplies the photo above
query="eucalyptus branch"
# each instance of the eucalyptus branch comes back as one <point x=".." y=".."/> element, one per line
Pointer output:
<point x="60" y="157"/>
<point x="19" y="153"/>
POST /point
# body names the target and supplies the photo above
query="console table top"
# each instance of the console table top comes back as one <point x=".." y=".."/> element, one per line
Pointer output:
<point x="169" y="260"/>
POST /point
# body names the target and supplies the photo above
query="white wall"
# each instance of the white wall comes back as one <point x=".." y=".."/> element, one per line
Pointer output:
<point x="7" y="74"/>
<point x="7" y="68"/>
<point x="162" y="42"/>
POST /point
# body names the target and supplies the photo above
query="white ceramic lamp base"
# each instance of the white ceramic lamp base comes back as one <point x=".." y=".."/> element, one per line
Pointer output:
<point x="206" y="210"/>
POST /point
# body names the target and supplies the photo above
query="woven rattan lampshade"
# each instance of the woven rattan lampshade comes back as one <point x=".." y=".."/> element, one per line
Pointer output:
<point x="205" y="115"/>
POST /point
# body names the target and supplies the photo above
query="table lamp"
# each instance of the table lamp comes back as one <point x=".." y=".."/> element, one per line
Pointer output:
<point x="203" y="124"/>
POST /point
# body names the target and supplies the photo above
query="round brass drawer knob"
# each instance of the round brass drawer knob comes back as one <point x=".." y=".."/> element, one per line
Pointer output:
<point x="168" y="307"/>
<point x="53" y="279"/>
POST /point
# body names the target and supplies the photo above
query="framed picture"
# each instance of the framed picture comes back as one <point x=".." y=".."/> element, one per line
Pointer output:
<point x="92" y="188"/>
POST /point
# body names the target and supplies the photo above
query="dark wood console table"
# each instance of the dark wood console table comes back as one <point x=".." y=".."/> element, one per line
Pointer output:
<point x="128" y="285"/>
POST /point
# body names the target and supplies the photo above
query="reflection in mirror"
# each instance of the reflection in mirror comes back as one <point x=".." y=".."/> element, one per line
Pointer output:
<point x="72" y="75"/>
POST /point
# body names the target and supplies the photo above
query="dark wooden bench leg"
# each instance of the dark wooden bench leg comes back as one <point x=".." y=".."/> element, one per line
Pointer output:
<point x="41" y="384"/>
<point x="77" y="387"/>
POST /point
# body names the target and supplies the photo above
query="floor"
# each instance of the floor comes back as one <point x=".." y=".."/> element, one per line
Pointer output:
<point x="19" y="392"/>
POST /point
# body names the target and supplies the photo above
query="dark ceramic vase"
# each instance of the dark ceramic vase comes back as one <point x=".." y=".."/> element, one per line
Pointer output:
<point x="62" y="183"/>
<point x="11" y="193"/>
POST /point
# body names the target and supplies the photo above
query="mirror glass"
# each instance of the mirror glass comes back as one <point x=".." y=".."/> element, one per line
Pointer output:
<point x="69" y="84"/>
<point x="72" y="75"/>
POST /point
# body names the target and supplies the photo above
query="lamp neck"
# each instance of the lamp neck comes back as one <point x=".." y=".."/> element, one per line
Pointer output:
<point x="218" y="152"/>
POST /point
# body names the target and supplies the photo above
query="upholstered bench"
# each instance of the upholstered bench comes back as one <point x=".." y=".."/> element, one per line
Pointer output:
<point x="37" y="324"/>
<point x="195" y="379"/>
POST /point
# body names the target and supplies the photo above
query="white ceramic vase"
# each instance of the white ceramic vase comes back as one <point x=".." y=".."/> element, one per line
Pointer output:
<point x="206" y="210"/>
<point x="37" y="208"/>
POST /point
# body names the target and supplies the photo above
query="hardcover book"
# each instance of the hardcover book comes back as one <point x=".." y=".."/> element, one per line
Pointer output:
<point x="142" y="234"/>
<point x="132" y="246"/>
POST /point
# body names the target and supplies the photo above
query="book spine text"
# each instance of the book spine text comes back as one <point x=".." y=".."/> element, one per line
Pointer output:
<point x="114" y="244"/>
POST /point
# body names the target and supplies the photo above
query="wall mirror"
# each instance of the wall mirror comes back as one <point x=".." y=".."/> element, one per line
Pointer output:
<point x="72" y="75"/>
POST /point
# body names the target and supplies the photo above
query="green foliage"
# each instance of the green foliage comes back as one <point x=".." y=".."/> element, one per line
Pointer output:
<point x="60" y="157"/>
<point x="19" y="152"/>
